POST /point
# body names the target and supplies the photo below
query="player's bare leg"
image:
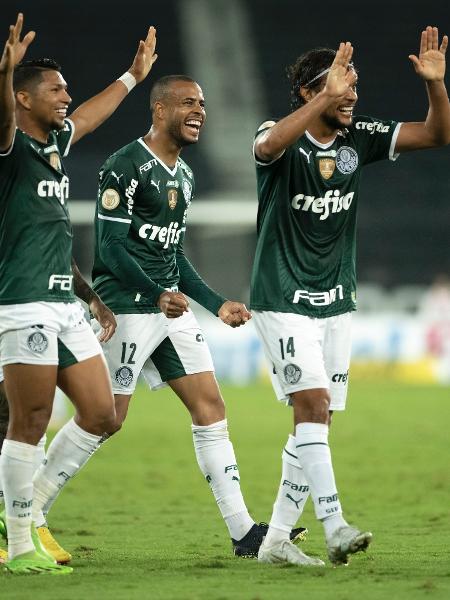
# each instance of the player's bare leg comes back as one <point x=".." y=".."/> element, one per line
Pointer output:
<point x="81" y="436"/>
<point x="30" y="390"/>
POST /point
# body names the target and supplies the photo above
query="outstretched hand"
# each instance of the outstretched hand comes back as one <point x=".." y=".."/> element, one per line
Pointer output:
<point x="340" y="76"/>
<point x="15" y="48"/>
<point x="145" y="56"/>
<point x="430" y="64"/>
<point x="234" y="314"/>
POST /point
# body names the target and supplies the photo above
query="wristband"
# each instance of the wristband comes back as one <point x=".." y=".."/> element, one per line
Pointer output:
<point x="128" y="80"/>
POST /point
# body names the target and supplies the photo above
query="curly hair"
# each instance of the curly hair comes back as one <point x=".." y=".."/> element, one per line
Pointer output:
<point x="28" y="73"/>
<point x="308" y="66"/>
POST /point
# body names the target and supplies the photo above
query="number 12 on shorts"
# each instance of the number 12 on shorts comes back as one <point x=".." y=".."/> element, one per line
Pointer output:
<point x="287" y="347"/>
<point x="123" y="358"/>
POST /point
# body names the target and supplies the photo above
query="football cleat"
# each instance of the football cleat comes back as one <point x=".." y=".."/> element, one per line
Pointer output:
<point x="249" y="545"/>
<point x="44" y="542"/>
<point x="286" y="552"/>
<point x="47" y="540"/>
<point x="33" y="563"/>
<point x="344" y="541"/>
<point x="3" y="556"/>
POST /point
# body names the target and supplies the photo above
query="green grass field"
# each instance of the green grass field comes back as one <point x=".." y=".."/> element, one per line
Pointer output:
<point x="141" y="522"/>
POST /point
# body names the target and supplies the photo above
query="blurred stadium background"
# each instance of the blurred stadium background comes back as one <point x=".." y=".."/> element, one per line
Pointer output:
<point x="237" y="50"/>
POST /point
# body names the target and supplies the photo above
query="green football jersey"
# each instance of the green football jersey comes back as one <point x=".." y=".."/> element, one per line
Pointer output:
<point x="35" y="228"/>
<point x="305" y="255"/>
<point x="140" y="226"/>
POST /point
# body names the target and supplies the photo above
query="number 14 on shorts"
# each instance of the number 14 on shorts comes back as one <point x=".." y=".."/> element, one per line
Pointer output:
<point x="287" y="347"/>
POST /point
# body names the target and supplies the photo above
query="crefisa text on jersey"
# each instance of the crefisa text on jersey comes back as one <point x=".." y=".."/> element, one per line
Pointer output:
<point x="322" y="205"/>
<point x="53" y="189"/>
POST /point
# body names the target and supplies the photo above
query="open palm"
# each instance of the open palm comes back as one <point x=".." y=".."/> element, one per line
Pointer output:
<point x="15" y="48"/>
<point x="430" y="64"/>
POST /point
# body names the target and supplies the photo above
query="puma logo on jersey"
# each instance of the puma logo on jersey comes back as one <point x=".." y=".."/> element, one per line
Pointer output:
<point x="307" y="154"/>
<point x="156" y="185"/>
<point x="116" y="177"/>
<point x="331" y="202"/>
<point x="165" y="235"/>
<point x="53" y="189"/>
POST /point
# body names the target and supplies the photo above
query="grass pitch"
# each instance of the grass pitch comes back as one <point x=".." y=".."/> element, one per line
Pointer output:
<point x="142" y="523"/>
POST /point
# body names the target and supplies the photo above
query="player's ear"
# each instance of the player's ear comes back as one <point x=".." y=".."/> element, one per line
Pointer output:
<point x="158" y="110"/>
<point x="23" y="98"/>
<point x="305" y="94"/>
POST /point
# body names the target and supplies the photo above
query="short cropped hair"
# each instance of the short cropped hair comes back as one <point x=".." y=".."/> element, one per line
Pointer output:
<point x="28" y="73"/>
<point x="161" y="88"/>
<point x="305" y="69"/>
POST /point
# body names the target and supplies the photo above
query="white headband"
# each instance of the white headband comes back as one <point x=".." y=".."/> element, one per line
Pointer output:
<point x="317" y="77"/>
<point x="350" y="66"/>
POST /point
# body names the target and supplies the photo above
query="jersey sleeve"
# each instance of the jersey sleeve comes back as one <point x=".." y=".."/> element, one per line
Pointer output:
<point x="117" y="188"/>
<point x="261" y="129"/>
<point x="192" y="284"/>
<point x="64" y="137"/>
<point x="375" y="139"/>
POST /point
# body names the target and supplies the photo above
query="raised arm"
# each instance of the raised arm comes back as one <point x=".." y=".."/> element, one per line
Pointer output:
<point x="13" y="53"/>
<point x="430" y="66"/>
<point x="92" y="113"/>
<point x="272" y="142"/>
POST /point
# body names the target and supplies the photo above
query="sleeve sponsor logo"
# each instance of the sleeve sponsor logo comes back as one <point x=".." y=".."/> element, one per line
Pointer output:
<point x="129" y="193"/>
<point x="373" y="127"/>
<point x="110" y="199"/>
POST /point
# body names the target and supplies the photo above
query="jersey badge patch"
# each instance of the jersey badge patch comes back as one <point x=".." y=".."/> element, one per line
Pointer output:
<point x="37" y="342"/>
<point x="346" y="160"/>
<point x="326" y="167"/>
<point x="292" y="373"/>
<point x="172" y="197"/>
<point x="110" y="199"/>
<point x="124" y="376"/>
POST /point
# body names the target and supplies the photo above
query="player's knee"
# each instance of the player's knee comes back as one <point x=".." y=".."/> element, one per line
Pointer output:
<point x="312" y="406"/>
<point x="30" y="425"/>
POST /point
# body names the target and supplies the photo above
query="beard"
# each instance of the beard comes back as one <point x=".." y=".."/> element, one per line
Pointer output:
<point x="175" y="132"/>
<point x="333" y="122"/>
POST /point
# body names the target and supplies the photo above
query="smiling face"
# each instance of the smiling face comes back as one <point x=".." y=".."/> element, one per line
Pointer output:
<point x="50" y="99"/>
<point x="183" y="112"/>
<point x="340" y="114"/>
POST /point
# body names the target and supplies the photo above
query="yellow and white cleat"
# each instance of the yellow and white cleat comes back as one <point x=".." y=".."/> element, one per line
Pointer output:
<point x="61" y="556"/>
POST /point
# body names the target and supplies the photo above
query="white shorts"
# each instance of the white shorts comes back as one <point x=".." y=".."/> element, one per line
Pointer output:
<point x="45" y="333"/>
<point x="306" y="353"/>
<point x="161" y="348"/>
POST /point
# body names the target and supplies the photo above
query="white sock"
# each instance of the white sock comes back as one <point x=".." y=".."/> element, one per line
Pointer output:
<point x="217" y="462"/>
<point x="70" y="449"/>
<point x="315" y="457"/>
<point x="16" y="467"/>
<point x="292" y="495"/>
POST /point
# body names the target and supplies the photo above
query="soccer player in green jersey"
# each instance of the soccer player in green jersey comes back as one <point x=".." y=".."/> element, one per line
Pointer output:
<point x="142" y="273"/>
<point x="38" y="311"/>
<point x="303" y="287"/>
